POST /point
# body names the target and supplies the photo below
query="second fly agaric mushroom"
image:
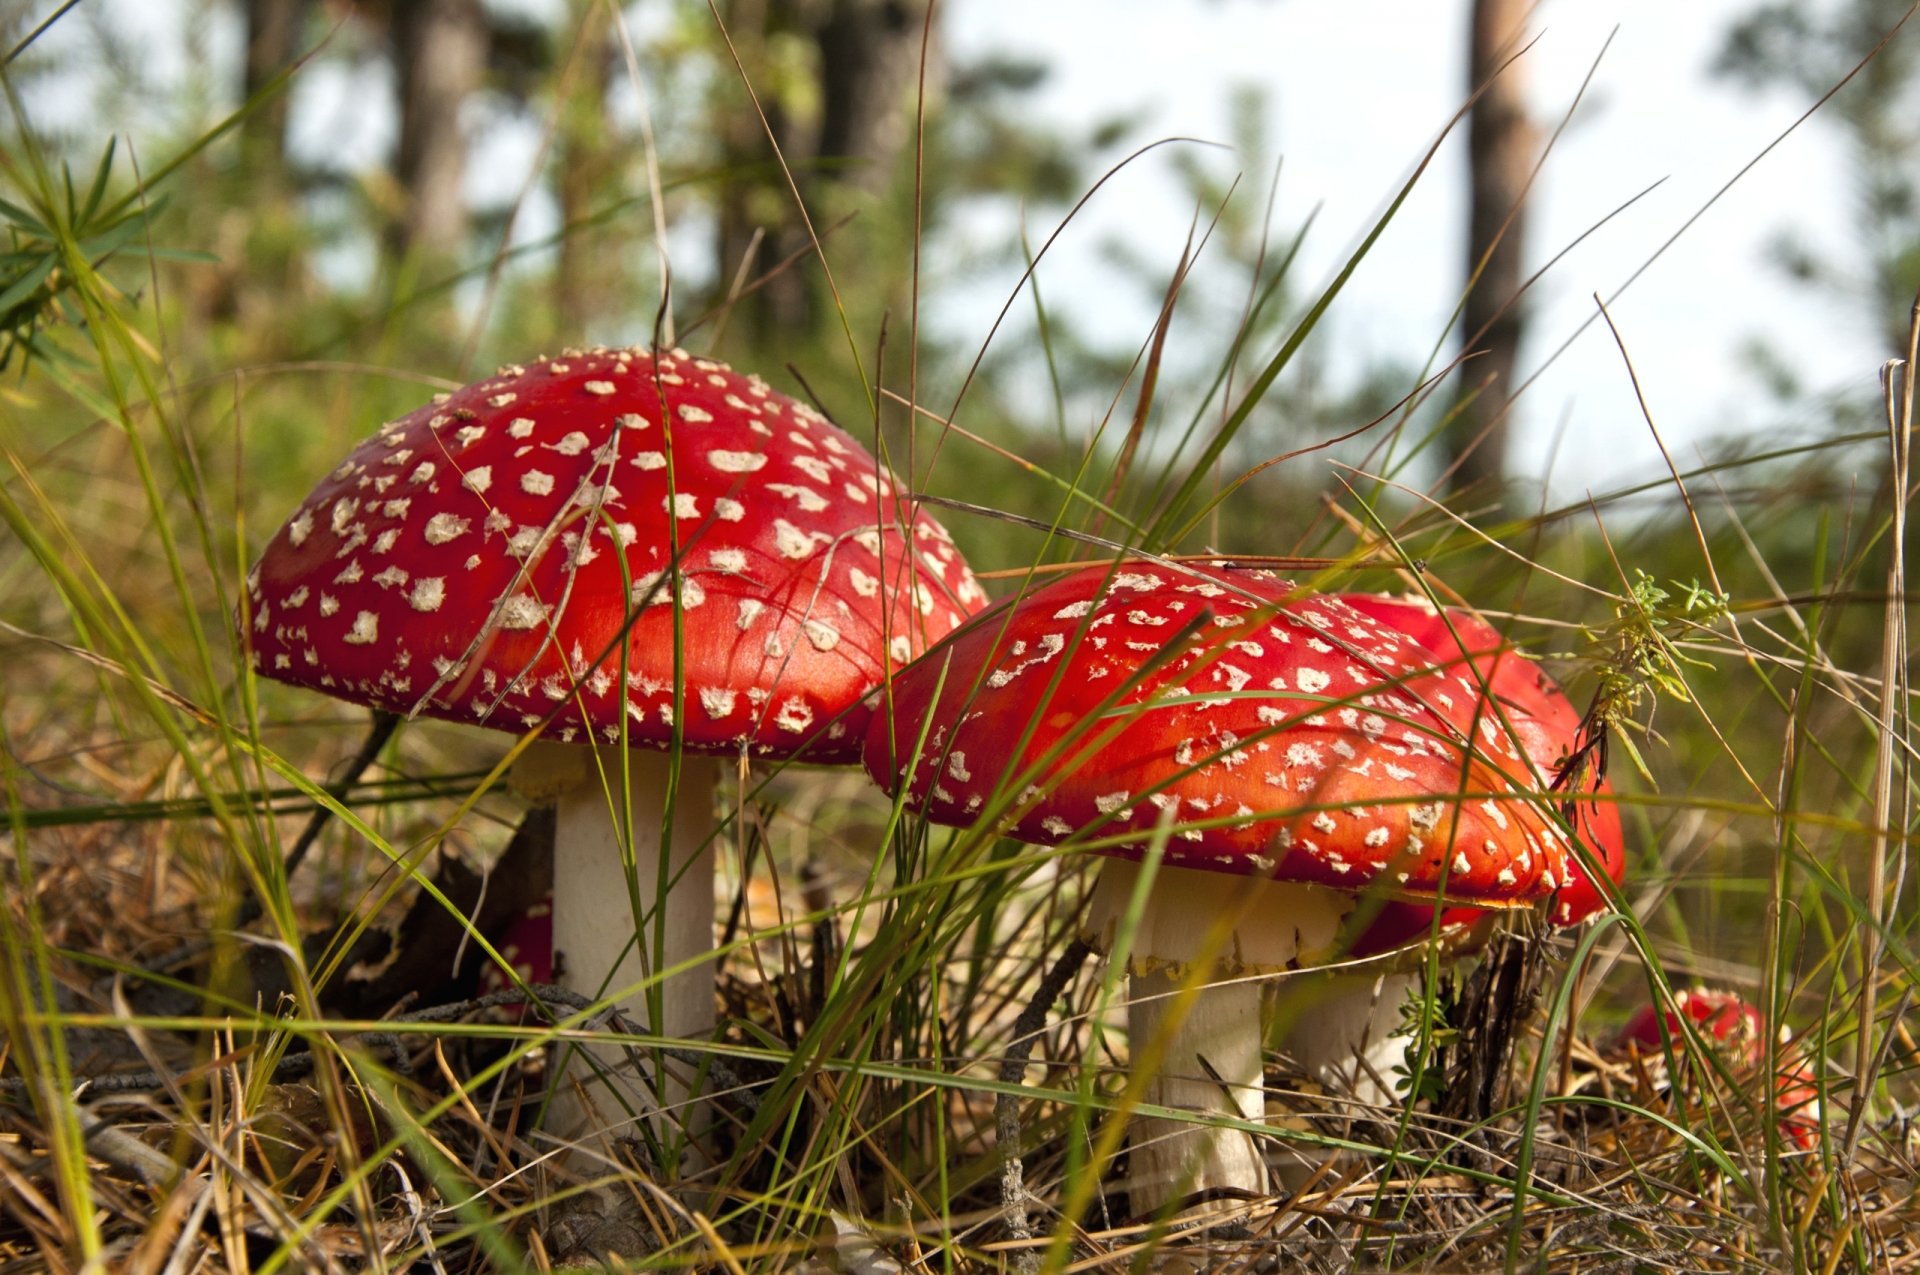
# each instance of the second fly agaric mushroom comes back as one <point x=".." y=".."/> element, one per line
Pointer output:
<point x="1349" y="1036"/>
<point x="1292" y="753"/>
<point x="621" y="548"/>
<point x="1730" y="1023"/>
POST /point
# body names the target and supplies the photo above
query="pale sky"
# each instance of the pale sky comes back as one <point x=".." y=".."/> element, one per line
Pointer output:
<point x="1362" y="87"/>
<point x="1359" y="89"/>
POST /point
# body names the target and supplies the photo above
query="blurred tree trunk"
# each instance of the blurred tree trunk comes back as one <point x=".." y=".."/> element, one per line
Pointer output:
<point x="440" y="52"/>
<point x="586" y="165"/>
<point x="867" y="69"/>
<point x="273" y="41"/>
<point x="1501" y="147"/>
<point x="753" y="194"/>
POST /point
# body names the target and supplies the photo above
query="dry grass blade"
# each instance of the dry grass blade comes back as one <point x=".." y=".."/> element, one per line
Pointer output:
<point x="1886" y="866"/>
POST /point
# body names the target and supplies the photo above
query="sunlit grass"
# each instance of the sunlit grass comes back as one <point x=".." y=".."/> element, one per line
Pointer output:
<point x="874" y="965"/>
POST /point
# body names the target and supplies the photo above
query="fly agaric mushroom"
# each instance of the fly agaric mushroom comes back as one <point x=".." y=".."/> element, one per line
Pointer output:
<point x="1292" y="753"/>
<point x="1349" y="1035"/>
<point x="621" y="548"/>
<point x="1728" y="1022"/>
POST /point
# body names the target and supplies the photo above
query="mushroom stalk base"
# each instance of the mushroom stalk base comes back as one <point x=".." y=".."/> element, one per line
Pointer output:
<point x="1218" y="1032"/>
<point x="598" y="910"/>
<point x="1232" y="925"/>
<point x="1347" y="1034"/>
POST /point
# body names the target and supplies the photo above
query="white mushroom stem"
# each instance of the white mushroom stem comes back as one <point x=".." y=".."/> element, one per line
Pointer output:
<point x="1350" y="1035"/>
<point x="1237" y="926"/>
<point x="1346" y="1032"/>
<point x="612" y="936"/>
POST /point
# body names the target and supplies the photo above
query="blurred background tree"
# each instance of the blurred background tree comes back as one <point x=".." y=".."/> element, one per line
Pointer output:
<point x="1807" y="50"/>
<point x="1503" y="146"/>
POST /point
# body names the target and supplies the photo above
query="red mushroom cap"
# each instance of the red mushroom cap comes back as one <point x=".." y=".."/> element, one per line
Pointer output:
<point x="1735" y="1027"/>
<point x="1324" y="743"/>
<point x="480" y="560"/>
<point x="1725" y="1018"/>
<point x="1542" y="718"/>
<point x="527" y="945"/>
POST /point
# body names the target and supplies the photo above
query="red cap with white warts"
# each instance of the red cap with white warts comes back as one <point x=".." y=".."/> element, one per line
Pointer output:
<point x="1287" y="735"/>
<point x="1542" y="718"/>
<point x="1725" y="1018"/>
<point x="503" y="556"/>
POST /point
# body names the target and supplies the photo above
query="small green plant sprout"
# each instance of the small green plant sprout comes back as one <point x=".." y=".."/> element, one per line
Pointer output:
<point x="1427" y="1028"/>
<point x="49" y="243"/>
<point x="1641" y="659"/>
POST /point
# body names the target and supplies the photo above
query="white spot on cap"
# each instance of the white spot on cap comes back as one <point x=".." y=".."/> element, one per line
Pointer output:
<point x="328" y="604"/>
<point x="1074" y="610"/>
<point x="795" y="715"/>
<point x="602" y="388"/>
<point x="478" y="480"/>
<point x="1312" y="680"/>
<point x="523" y="542"/>
<point x="444" y="527"/>
<point x="631" y="420"/>
<point x="750" y="610"/>
<point x="823" y="635"/>
<point x="422" y="473"/>
<point x="300" y="528"/>
<point x="391" y="576"/>
<point x="523" y="611"/>
<point x="572" y="443"/>
<point x="1378" y="837"/>
<point x="792" y="542"/>
<point x="1113" y="803"/>
<point x="732" y="561"/>
<point x="809" y="500"/>
<point x="900" y="648"/>
<point x="1324" y="822"/>
<point x="520" y="427"/>
<point x="365" y="630"/>
<point x="693" y="415"/>
<point x="536" y="483"/>
<point x="648" y="591"/>
<point x="1054" y="825"/>
<point x="685" y="504"/>
<point x="863" y="584"/>
<point x="718" y="701"/>
<point x="428" y="593"/>
<point x="735" y="462"/>
<point x="650" y="461"/>
<point x="728" y="510"/>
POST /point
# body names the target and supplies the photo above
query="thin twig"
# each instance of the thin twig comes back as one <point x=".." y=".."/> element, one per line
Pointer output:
<point x="1027" y="1030"/>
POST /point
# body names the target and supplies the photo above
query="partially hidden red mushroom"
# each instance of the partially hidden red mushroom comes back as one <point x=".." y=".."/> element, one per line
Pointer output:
<point x="618" y="548"/>
<point x="1731" y="1024"/>
<point x="1287" y="753"/>
<point x="527" y="945"/>
<point x="1350" y="1035"/>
